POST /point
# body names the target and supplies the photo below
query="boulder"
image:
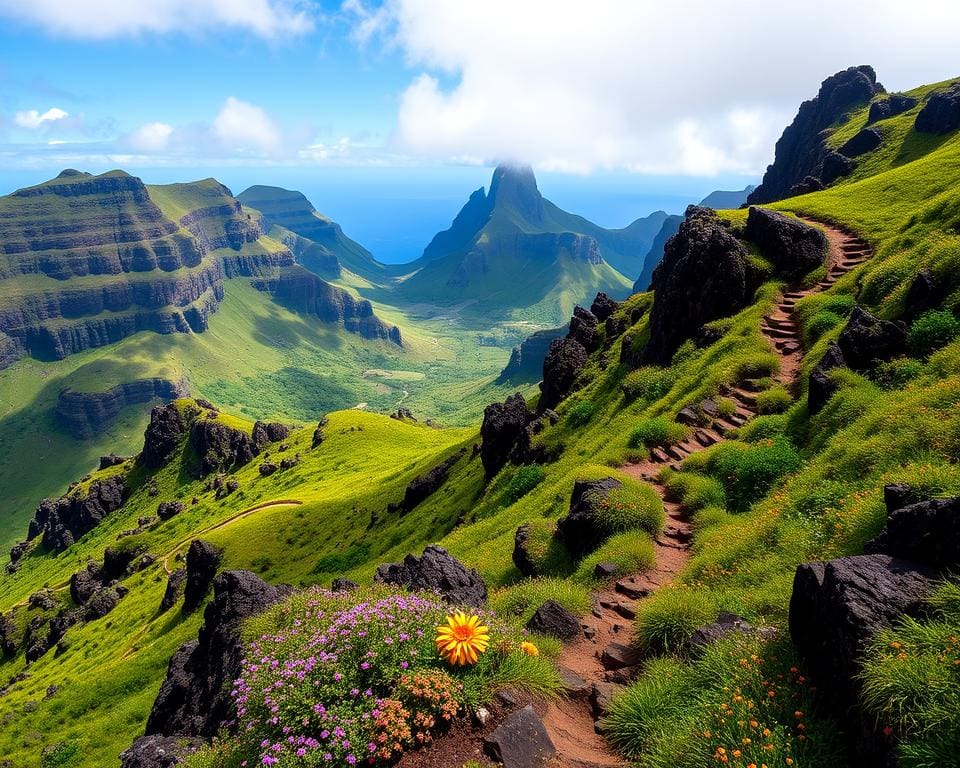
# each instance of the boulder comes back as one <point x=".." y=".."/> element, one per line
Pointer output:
<point x="926" y="292"/>
<point x="101" y="603"/>
<point x="167" y="428"/>
<point x="617" y="656"/>
<point x="318" y="435"/>
<point x="726" y="624"/>
<point x="503" y="424"/>
<point x="122" y="561"/>
<point x="835" y="166"/>
<point x="521" y="557"/>
<point x="837" y="606"/>
<point x="159" y="751"/>
<point x="583" y="328"/>
<point x="806" y="185"/>
<point x="269" y="432"/>
<point x="579" y="530"/>
<point x="793" y="247"/>
<point x="85" y="582"/>
<point x="168" y="509"/>
<point x="890" y="106"/>
<point x="865" y="141"/>
<point x="821" y="386"/>
<point x="553" y="620"/>
<point x="194" y="699"/>
<point x="343" y="585"/>
<point x="175" y="584"/>
<point x="111" y="461"/>
<point x="268" y="468"/>
<point x="520" y="741"/>
<point x="926" y="531"/>
<point x="603" y="306"/>
<point x="220" y="447"/>
<point x="605" y="571"/>
<point x="941" y="113"/>
<point x="705" y="274"/>
<point x="425" y="485"/>
<point x="41" y="600"/>
<point x="866" y="340"/>
<point x="800" y="150"/>
<point x="203" y="560"/>
<point x="600" y="697"/>
<point x="436" y="571"/>
<point x="565" y="360"/>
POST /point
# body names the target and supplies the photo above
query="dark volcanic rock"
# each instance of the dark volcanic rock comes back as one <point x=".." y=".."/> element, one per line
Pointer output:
<point x="159" y="751"/>
<point x="941" y="113"/>
<point x="175" y="584"/>
<point x="800" y="150"/>
<point x="343" y="585"/>
<point x="111" y="461"/>
<point x="167" y="428"/>
<point x="65" y="520"/>
<point x="925" y="531"/>
<point x="807" y="185"/>
<point x="521" y="557"/>
<point x="705" y="274"/>
<point x="520" y="741"/>
<point x="269" y="432"/>
<point x="561" y="367"/>
<point x="318" y="435"/>
<point x="603" y="306"/>
<point x="866" y="340"/>
<point x="168" y="509"/>
<point x="793" y="247"/>
<point x="835" y="166"/>
<point x="553" y="620"/>
<point x="837" y="606"/>
<point x="85" y="582"/>
<point x="101" y="603"/>
<point x="583" y="328"/>
<point x="865" y="141"/>
<point x="122" y="561"/>
<point x="85" y="414"/>
<point x="579" y="530"/>
<point x="890" y="106"/>
<point x="423" y="486"/>
<point x="821" y="387"/>
<point x="203" y="559"/>
<point x="194" y="699"/>
<point x="220" y="447"/>
<point x="726" y="623"/>
<point x="436" y="571"/>
<point x="503" y="425"/>
<point x="926" y="292"/>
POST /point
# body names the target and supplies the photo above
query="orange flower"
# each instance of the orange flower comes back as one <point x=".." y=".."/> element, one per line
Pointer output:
<point x="462" y="639"/>
<point x="529" y="648"/>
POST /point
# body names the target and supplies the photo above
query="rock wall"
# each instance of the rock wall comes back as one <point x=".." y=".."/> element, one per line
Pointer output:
<point x="526" y="359"/>
<point x="84" y="414"/>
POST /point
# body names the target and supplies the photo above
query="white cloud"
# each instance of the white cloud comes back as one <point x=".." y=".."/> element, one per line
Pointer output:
<point x="32" y="119"/>
<point x="150" y="138"/>
<point x="102" y="19"/>
<point x="242" y="127"/>
<point x="692" y="86"/>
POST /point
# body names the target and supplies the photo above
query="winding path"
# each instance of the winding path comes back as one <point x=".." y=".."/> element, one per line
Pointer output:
<point x="570" y="721"/>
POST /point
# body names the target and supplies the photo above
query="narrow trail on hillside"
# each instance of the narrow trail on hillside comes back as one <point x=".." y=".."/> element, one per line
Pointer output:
<point x="603" y="657"/>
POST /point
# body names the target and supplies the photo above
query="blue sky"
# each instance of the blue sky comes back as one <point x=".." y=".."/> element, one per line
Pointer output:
<point x="622" y="106"/>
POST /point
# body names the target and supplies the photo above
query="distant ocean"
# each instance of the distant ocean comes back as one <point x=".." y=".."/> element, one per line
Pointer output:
<point x="394" y="212"/>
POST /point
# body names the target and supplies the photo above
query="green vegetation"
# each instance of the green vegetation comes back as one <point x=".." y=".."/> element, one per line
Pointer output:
<point x="656" y="432"/>
<point x="631" y="552"/>
<point x="932" y="331"/>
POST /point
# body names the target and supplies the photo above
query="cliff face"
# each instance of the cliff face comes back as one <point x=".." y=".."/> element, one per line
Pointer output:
<point x="526" y="359"/>
<point x="86" y="261"/>
<point x="84" y="414"/>
<point x="801" y="152"/>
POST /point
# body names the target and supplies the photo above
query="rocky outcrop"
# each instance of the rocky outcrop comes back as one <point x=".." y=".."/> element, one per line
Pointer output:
<point x="834" y="166"/>
<point x="304" y="292"/>
<point x="203" y="560"/>
<point x="436" y="571"/>
<point x="425" y="485"/>
<point x="521" y="741"/>
<point x="926" y="531"/>
<point x="926" y="292"/>
<point x="705" y="274"/>
<point x="194" y="699"/>
<point x="800" y="151"/>
<point x="890" y="106"/>
<point x="941" y="113"/>
<point x="526" y="360"/>
<point x="579" y="530"/>
<point x="565" y="360"/>
<point x="865" y="141"/>
<point x="159" y="751"/>
<point x="821" y="385"/>
<point x="220" y="447"/>
<point x="793" y="247"/>
<point x="867" y="340"/>
<point x="726" y="624"/>
<point x="269" y="432"/>
<point x="65" y="520"/>
<point x="85" y="414"/>
<point x="11" y="350"/>
<point x="553" y="620"/>
<point x="521" y="552"/>
<point x="504" y="424"/>
<point x="169" y="426"/>
<point x="176" y="582"/>
<point x="584" y="328"/>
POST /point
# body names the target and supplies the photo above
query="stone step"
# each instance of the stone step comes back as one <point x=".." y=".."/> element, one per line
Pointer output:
<point x="789" y="347"/>
<point x="705" y="438"/>
<point x="738" y="393"/>
<point x="794" y="295"/>
<point x="658" y="456"/>
<point x="780" y="322"/>
<point x="675" y="452"/>
<point x="631" y="588"/>
<point x="779" y="333"/>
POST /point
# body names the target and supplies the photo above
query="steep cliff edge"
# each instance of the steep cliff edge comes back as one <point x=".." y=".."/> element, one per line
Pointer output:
<point x="84" y="414"/>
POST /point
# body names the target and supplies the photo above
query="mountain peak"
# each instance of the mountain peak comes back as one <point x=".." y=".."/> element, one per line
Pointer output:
<point x="515" y="187"/>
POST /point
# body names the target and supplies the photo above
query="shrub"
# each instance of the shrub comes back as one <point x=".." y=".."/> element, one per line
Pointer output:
<point x="666" y="620"/>
<point x="756" y="366"/>
<point x="60" y="755"/>
<point x="580" y="414"/>
<point x="695" y="491"/>
<point x="522" y="600"/>
<point x="763" y="428"/>
<point x="725" y="406"/>
<point x="658" y="431"/>
<point x="632" y="551"/>
<point x="647" y="383"/>
<point x="635" y="506"/>
<point x="774" y="400"/>
<point x="524" y="480"/>
<point x="548" y="555"/>
<point x="821" y="323"/>
<point x="749" y="471"/>
<point x="931" y="331"/>
<point x="896" y="374"/>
